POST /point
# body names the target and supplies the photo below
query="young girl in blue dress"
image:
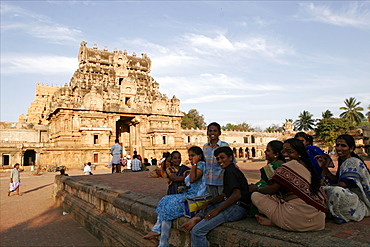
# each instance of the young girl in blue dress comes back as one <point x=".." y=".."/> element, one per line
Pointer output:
<point x="172" y="206"/>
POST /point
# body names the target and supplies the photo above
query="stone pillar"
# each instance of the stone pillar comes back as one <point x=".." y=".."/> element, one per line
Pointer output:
<point x="132" y="143"/>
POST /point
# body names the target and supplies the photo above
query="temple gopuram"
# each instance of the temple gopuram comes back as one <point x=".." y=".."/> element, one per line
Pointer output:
<point x="111" y="95"/>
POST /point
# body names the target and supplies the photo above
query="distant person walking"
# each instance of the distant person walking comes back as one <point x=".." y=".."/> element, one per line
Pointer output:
<point x="116" y="152"/>
<point x="15" y="180"/>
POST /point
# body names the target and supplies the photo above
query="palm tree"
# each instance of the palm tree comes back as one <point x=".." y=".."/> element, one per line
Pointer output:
<point x="305" y="121"/>
<point x="327" y="114"/>
<point x="352" y="111"/>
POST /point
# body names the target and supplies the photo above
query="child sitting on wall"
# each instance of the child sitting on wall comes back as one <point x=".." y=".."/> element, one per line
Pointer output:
<point x="231" y="205"/>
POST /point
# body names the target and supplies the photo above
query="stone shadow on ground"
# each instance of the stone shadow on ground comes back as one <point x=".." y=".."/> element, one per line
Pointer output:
<point x="38" y="188"/>
<point x="50" y="228"/>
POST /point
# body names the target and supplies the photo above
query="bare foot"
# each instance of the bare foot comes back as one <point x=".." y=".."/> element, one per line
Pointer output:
<point x="151" y="235"/>
<point x="190" y="224"/>
<point x="264" y="221"/>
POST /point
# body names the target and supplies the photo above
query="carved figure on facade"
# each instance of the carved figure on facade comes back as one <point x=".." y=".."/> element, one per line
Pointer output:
<point x="288" y="127"/>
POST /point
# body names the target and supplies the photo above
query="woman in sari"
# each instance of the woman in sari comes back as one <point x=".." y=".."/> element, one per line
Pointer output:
<point x="349" y="197"/>
<point x="274" y="159"/>
<point x="313" y="151"/>
<point x="171" y="207"/>
<point x="293" y="200"/>
<point x="176" y="173"/>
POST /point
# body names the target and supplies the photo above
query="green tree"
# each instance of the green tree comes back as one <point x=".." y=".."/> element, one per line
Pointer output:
<point x="328" y="129"/>
<point x="304" y="122"/>
<point x="368" y="114"/>
<point x="274" y="128"/>
<point x="327" y="114"/>
<point x="352" y="111"/>
<point x="238" y="127"/>
<point x="192" y="119"/>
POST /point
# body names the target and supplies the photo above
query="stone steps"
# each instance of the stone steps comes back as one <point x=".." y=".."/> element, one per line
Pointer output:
<point x="121" y="217"/>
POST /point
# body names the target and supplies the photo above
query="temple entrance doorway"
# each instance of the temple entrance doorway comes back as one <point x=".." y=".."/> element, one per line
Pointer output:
<point x="123" y="133"/>
<point x="29" y="158"/>
<point x="253" y="152"/>
<point x="6" y="160"/>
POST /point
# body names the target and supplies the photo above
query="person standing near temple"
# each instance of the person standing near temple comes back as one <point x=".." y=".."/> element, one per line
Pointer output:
<point x="15" y="180"/>
<point x="116" y="152"/>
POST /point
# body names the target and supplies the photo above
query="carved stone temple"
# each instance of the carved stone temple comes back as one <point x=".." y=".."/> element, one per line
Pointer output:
<point x="111" y="95"/>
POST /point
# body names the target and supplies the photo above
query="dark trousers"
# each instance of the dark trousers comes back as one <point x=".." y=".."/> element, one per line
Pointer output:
<point x="116" y="167"/>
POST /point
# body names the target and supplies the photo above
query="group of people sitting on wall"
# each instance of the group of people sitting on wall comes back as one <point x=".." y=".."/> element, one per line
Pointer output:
<point x="297" y="190"/>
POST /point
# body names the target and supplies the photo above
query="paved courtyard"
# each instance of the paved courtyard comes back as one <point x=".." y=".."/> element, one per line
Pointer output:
<point x="33" y="219"/>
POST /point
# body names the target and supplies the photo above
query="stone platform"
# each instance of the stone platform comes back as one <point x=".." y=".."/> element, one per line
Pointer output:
<point x="120" y="208"/>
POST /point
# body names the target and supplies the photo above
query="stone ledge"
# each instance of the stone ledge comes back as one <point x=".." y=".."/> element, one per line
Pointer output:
<point x="121" y="218"/>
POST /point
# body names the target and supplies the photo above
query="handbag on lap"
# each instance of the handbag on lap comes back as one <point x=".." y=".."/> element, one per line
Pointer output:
<point x="192" y="203"/>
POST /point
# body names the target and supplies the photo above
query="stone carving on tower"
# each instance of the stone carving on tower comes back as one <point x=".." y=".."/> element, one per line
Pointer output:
<point x="110" y="95"/>
<point x="113" y="82"/>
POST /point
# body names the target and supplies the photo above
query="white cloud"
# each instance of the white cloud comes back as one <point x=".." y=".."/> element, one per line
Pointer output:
<point x="55" y="33"/>
<point x="171" y="60"/>
<point x="354" y="15"/>
<point x="39" y="26"/>
<point x="211" y="98"/>
<point x="213" y="88"/>
<point x="221" y="45"/>
<point x="43" y="64"/>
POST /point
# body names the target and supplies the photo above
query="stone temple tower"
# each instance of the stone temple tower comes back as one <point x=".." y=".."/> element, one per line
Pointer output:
<point x="111" y="95"/>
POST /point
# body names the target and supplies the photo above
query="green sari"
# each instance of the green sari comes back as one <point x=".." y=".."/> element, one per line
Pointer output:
<point x="266" y="173"/>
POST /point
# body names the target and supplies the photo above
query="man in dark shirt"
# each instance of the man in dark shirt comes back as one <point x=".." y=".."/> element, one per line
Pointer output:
<point x="231" y="205"/>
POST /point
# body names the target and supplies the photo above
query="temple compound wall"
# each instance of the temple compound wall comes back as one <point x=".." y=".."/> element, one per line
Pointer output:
<point x="111" y="95"/>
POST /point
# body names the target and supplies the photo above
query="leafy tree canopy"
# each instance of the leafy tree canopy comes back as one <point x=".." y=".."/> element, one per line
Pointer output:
<point x="304" y="122"/>
<point x="352" y="111"/>
<point x="328" y="129"/>
<point x="274" y="128"/>
<point x="192" y="119"/>
<point x="238" y="127"/>
<point x="327" y="114"/>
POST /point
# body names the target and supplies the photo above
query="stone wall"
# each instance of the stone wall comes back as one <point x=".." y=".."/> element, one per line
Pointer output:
<point x="121" y="217"/>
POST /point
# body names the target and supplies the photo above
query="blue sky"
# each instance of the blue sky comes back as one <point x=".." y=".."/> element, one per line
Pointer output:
<point x="234" y="61"/>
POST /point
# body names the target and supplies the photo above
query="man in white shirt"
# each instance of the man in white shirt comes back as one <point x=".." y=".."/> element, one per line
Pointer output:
<point x="135" y="164"/>
<point x="87" y="169"/>
<point x="116" y="152"/>
<point x="15" y="180"/>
